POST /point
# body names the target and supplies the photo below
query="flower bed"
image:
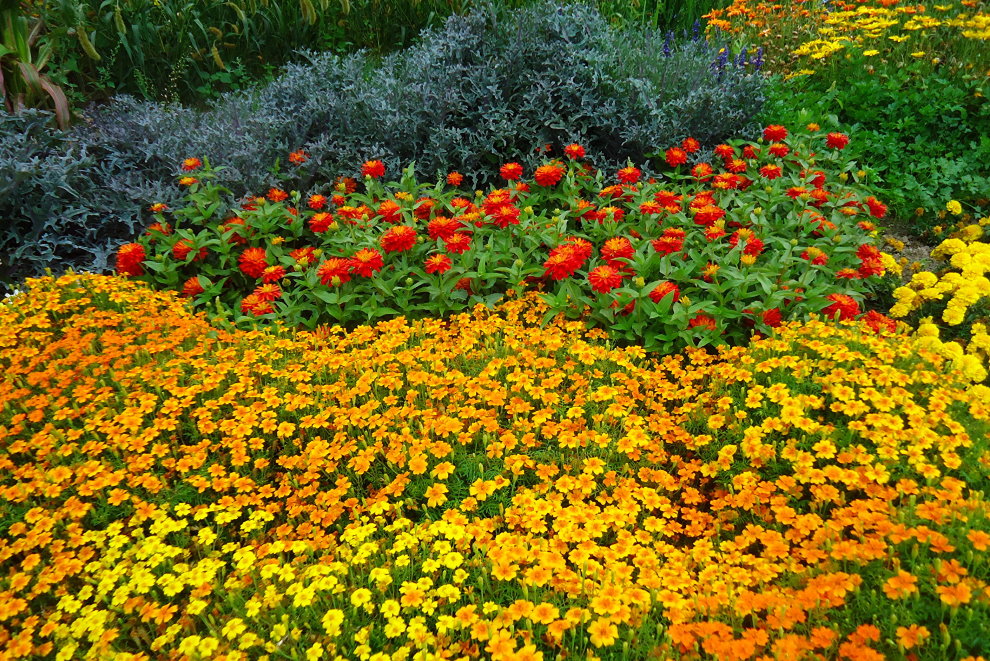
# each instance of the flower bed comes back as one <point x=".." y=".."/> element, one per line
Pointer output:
<point x="481" y="488"/>
<point x="762" y="232"/>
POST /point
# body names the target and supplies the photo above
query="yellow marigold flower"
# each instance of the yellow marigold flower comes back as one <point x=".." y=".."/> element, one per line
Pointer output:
<point x="360" y="597"/>
<point x="953" y="207"/>
<point x="332" y="621"/>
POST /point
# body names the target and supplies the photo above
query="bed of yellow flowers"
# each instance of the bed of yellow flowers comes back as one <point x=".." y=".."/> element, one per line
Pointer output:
<point x="801" y="37"/>
<point x="478" y="487"/>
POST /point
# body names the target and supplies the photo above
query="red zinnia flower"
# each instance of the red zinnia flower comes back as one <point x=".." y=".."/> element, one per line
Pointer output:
<point x="438" y="263"/>
<point x="774" y="133"/>
<point x="736" y="165"/>
<point x="650" y="207"/>
<point x="779" y="149"/>
<point x="398" y="239"/>
<point x="703" y="321"/>
<point x="268" y="292"/>
<point x="253" y="262"/>
<point x="604" y="279"/>
<point x="702" y="171"/>
<point x="303" y="256"/>
<point x="725" y="151"/>
<point x="183" y="247"/>
<point x="871" y="261"/>
<point x="191" y="287"/>
<point x="443" y="227"/>
<point x="317" y="202"/>
<point x="277" y="195"/>
<point x="663" y="289"/>
<point x="273" y="274"/>
<point x="389" y="210"/>
<point x="455" y="178"/>
<point x="616" y="213"/>
<point x="574" y="151"/>
<point x="877" y="208"/>
<point x="676" y="156"/>
<point x="458" y="243"/>
<point x="690" y="145"/>
<point x="750" y="151"/>
<point x="129" y="258"/>
<point x="298" y="157"/>
<point x="335" y="271"/>
<point x="618" y="248"/>
<point x="366" y="261"/>
<point x="320" y="222"/>
<point x="191" y="164"/>
<point x="629" y="175"/>
<point x="708" y="215"/>
<point x="771" y="171"/>
<point x="567" y="258"/>
<point x="373" y="169"/>
<point x="251" y="304"/>
<point x="844" y="306"/>
<point x="836" y="140"/>
<point x="878" y="322"/>
<point x="672" y="241"/>
<point x="423" y="207"/>
<point x="772" y="317"/>
<point x="511" y="171"/>
<point x="549" y="174"/>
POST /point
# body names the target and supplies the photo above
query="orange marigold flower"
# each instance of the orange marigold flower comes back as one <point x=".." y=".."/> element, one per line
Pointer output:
<point x="900" y="585"/>
<point x="912" y="636"/>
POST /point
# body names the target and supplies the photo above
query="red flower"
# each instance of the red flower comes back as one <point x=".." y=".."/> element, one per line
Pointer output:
<point x="303" y="256"/>
<point x="772" y="317"/>
<point x="252" y="304"/>
<point x="268" y="292"/>
<point x="629" y="175"/>
<point x="736" y="165"/>
<point x="458" y="243"/>
<point x="871" y="261"/>
<point x="373" y="169"/>
<point x="511" y="171"/>
<point x="836" y="140"/>
<point x="438" y="263"/>
<point x="567" y="258"/>
<point x="398" y="239"/>
<point x="618" y="248"/>
<point x="725" y="151"/>
<point x="277" y="195"/>
<point x="771" y="171"/>
<point x="320" y="222"/>
<point x="298" y="157"/>
<point x="253" y="262"/>
<point x="815" y="256"/>
<point x="650" y="207"/>
<point x="191" y="164"/>
<point x="616" y="213"/>
<point x="273" y="274"/>
<point x="878" y="322"/>
<point x="750" y="151"/>
<point x="183" y="247"/>
<point x="704" y="322"/>
<point x="317" y="202"/>
<point x="129" y="258"/>
<point x="690" y="145"/>
<point x="443" y="227"/>
<point x="672" y="241"/>
<point x="774" y="133"/>
<point x="574" y="151"/>
<point x="676" y="156"/>
<point x="708" y="215"/>
<point x="604" y="279"/>
<point x="335" y="271"/>
<point x="423" y="207"/>
<point x="366" y="261"/>
<point x="455" y="178"/>
<point x="779" y="149"/>
<point x="702" y="172"/>
<point x="390" y="210"/>
<point x="191" y="287"/>
<point x="663" y="289"/>
<point x="877" y="208"/>
<point x="549" y="175"/>
<point x="844" y="306"/>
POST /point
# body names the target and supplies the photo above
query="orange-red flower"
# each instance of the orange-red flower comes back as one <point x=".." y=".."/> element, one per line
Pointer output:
<point x="190" y="164"/>
<point x="335" y="271"/>
<point x="549" y="174"/>
<point x="511" y="171"/>
<point x="129" y="258"/>
<point x="775" y="133"/>
<point x="844" y="306"/>
<point x="373" y="169"/>
<point x="604" y="279"/>
<point x="253" y="262"/>
<point x="366" y="261"/>
<point x="398" y="239"/>
<point x="574" y="151"/>
<point x="438" y="263"/>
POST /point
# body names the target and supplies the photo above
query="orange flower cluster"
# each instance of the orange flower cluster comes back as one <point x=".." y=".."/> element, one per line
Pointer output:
<point x="478" y="487"/>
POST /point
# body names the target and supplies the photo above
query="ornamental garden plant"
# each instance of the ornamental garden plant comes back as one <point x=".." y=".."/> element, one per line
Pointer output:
<point x="710" y="252"/>
<point x="483" y="487"/>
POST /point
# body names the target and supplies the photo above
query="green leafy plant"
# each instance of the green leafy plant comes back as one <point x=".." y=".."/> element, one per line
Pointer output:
<point x="22" y="62"/>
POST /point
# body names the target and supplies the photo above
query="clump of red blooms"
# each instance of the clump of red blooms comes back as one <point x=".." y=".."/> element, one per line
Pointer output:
<point x="610" y="233"/>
